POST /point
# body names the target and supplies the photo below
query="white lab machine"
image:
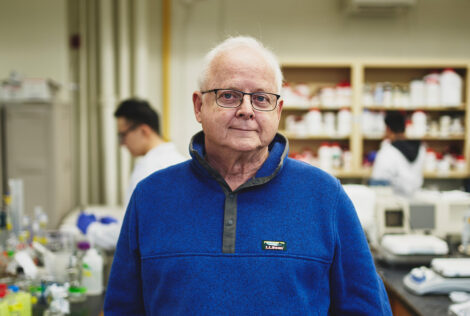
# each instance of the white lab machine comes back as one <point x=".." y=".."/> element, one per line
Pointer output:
<point x="444" y="276"/>
<point x="451" y="207"/>
<point x="406" y="230"/>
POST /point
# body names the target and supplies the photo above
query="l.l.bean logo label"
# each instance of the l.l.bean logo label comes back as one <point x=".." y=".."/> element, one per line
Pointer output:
<point x="273" y="245"/>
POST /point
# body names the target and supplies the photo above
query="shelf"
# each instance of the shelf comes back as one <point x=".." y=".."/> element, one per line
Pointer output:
<point x="312" y="137"/>
<point x="366" y="172"/>
<point x="447" y="175"/>
<point x="345" y="174"/>
<point x="425" y="109"/>
<point x="437" y="138"/>
<point x="321" y="108"/>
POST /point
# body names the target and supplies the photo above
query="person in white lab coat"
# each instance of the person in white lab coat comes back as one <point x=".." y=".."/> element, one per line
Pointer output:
<point x="399" y="161"/>
<point x="139" y="130"/>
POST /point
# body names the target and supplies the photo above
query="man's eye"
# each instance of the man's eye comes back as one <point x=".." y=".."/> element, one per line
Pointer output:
<point x="260" y="98"/>
<point x="228" y="95"/>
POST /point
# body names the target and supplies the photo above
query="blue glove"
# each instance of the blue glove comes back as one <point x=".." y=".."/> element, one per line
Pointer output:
<point x="107" y="220"/>
<point x="84" y="220"/>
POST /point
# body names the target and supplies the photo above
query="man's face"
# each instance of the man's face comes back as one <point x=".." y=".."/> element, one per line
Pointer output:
<point x="239" y="129"/>
<point x="131" y="136"/>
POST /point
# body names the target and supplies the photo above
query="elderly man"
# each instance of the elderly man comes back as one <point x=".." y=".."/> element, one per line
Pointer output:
<point x="241" y="229"/>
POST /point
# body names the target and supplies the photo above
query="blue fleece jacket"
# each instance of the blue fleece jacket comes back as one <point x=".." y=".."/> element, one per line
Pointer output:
<point x="287" y="242"/>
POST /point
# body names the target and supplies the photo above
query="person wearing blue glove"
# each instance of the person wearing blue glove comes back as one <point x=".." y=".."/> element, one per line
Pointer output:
<point x="107" y="220"/>
<point x="84" y="220"/>
<point x="139" y="131"/>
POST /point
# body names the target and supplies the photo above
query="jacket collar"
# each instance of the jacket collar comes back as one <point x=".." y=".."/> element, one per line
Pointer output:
<point x="278" y="150"/>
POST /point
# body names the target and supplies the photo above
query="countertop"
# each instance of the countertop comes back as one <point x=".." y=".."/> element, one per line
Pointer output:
<point x="427" y="305"/>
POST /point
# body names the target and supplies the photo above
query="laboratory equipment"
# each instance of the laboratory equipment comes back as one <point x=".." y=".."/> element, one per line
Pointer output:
<point x="392" y="212"/>
<point x="450" y="209"/>
<point x="460" y="309"/>
<point x="17" y="204"/>
<point x="444" y="276"/>
<point x="410" y="249"/>
<point x="405" y="232"/>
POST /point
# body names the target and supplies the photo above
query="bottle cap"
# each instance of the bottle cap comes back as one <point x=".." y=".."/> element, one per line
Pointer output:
<point x="83" y="245"/>
<point x="77" y="289"/>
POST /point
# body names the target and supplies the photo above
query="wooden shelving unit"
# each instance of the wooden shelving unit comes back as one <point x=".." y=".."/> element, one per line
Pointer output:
<point x="358" y="73"/>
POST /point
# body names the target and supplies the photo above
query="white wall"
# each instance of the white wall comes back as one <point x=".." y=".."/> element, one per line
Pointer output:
<point x="154" y="74"/>
<point x="34" y="40"/>
<point x="307" y="30"/>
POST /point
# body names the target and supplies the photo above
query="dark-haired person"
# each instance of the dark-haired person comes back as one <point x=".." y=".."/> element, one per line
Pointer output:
<point x="139" y="130"/>
<point x="399" y="161"/>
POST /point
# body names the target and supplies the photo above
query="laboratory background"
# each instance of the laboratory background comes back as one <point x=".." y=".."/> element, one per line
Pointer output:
<point x="65" y="65"/>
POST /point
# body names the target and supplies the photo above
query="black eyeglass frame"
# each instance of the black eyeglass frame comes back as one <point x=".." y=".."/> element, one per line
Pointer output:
<point x="123" y="135"/>
<point x="243" y="96"/>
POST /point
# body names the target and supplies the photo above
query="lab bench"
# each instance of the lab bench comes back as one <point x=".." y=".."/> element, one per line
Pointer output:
<point x="93" y="306"/>
<point x="405" y="303"/>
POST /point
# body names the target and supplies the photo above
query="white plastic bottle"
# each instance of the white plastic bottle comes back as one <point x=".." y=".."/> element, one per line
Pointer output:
<point x="432" y="90"/>
<point x="419" y="120"/>
<point x="92" y="272"/>
<point x="324" y="157"/>
<point x="344" y="122"/>
<point x="417" y="93"/>
<point x="336" y="154"/>
<point x="451" y="88"/>
<point x="313" y="120"/>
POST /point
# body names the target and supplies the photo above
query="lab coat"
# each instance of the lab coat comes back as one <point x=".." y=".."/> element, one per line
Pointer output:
<point x="162" y="156"/>
<point x="391" y="165"/>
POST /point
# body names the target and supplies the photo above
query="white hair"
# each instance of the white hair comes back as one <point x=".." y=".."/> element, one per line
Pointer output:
<point x="240" y="41"/>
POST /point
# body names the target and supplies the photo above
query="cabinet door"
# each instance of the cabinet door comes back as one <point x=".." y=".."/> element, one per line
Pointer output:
<point x="29" y="151"/>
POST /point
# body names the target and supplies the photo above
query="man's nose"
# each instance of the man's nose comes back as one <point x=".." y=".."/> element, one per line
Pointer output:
<point x="245" y="110"/>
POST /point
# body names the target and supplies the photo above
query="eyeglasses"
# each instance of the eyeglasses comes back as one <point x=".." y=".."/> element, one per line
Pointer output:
<point x="122" y="135"/>
<point x="260" y="101"/>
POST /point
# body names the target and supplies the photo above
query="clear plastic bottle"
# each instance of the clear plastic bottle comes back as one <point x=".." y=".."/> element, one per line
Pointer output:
<point x="77" y="293"/>
<point x="40" y="225"/>
<point x="466" y="233"/>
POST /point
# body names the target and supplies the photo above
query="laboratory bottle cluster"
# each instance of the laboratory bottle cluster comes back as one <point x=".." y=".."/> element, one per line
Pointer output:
<point x="41" y="269"/>
<point x="319" y="123"/>
<point x="301" y="95"/>
<point x="330" y="156"/>
<point x="436" y="89"/>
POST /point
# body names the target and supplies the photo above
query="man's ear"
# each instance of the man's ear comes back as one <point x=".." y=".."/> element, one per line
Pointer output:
<point x="146" y="130"/>
<point x="197" y="104"/>
<point x="279" y="108"/>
